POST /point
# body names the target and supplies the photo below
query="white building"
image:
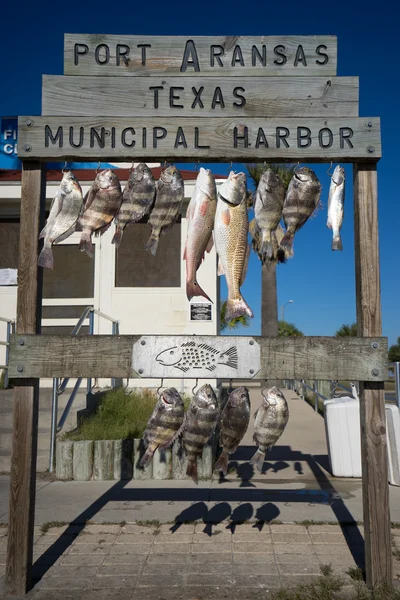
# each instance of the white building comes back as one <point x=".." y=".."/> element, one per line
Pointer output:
<point x="146" y="294"/>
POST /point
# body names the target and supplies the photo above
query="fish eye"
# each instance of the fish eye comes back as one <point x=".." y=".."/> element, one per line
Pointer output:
<point x="171" y="352"/>
<point x="243" y="396"/>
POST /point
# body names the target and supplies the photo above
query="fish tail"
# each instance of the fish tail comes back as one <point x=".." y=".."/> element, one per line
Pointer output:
<point x="152" y="243"/>
<point x="222" y="462"/>
<point x="258" y="460"/>
<point x="192" y="471"/>
<point x="46" y="258"/>
<point x="337" y="242"/>
<point x="85" y="245"/>
<point x="267" y="249"/>
<point x="147" y="456"/>
<point x="229" y="357"/>
<point x="287" y="241"/>
<point x="117" y="236"/>
<point x="193" y="289"/>
<point x="236" y="308"/>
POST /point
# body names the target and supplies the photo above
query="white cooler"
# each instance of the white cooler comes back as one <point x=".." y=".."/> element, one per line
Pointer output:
<point x="342" y="425"/>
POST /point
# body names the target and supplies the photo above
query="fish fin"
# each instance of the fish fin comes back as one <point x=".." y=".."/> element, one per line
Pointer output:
<point x="211" y="368"/>
<point x="229" y="358"/>
<point x="152" y="243"/>
<point x="236" y="308"/>
<point x="85" y="245"/>
<point x="258" y="460"/>
<point x="222" y="462"/>
<point x="192" y="471"/>
<point x="226" y="215"/>
<point x="287" y="242"/>
<point x="329" y="224"/>
<point x="184" y="252"/>
<point x="65" y="235"/>
<point x="89" y="196"/>
<point x="117" y="237"/>
<point x="43" y="233"/>
<point x="103" y="229"/>
<point x="210" y="244"/>
<point x="337" y="242"/>
<point x="254" y="416"/>
<point x="147" y="456"/>
<point x="245" y="265"/>
<point x="46" y="257"/>
<point x="193" y="289"/>
<point x="220" y="267"/>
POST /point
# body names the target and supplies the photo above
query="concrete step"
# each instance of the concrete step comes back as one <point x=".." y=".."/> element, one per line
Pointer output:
<point x="42" y="463"/>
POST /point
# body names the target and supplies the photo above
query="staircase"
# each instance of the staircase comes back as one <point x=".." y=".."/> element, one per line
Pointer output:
<point x="6" y="409"/>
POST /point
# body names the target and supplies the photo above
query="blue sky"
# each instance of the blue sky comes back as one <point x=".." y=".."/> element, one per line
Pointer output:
<point x="320" y="282"/>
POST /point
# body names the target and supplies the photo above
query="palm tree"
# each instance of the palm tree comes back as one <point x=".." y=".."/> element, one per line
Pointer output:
<point x="234" y="323"/>
<point x="394" y="352"/>
<point x="347" y="331"/>
<point x="269" y="301"/>
<point x="288" y="329"/>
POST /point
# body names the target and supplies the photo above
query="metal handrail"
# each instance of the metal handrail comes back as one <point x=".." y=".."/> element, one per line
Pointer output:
<point x="10" y="330"/>
<point x="59" y="388"/>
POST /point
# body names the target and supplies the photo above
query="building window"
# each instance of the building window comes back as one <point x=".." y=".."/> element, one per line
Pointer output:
<point x="9" y="244"/>
<point x="135" y="267"/>
<point x="73" y="275"/>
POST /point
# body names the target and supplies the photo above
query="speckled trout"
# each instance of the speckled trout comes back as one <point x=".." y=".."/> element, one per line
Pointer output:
<point x="270" y="421"/>
<point x="230" y="234"/>
<point x="336" y="206"/>
<point x="200" y="222"/>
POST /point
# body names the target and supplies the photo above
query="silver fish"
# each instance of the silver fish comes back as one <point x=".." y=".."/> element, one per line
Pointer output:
<point x="270" y="421"/>
<point x="200" y="421"/>
<point x="268" y="205"/>
<point x="137" y="199"/>
<point x="200" y="222"/>
<point x="336" y="206"/>
<point x="234" y="422"/>
<point x="63" y="217"/>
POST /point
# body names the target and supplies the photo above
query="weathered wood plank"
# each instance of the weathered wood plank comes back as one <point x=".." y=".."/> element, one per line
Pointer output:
<point x="200" y="97"/>
<point x="26" y="393"/>
<point x="83" y="460"/>
<point x="64" y="459"/>
<point x="187" y="139"/>
<point x="86" y="54"/>
<point x="281" y="358"/>
<point x="103" y="462"/>
<point x="378" y="553"/>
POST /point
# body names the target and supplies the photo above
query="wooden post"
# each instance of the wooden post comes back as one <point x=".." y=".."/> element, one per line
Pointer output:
<point x="26" y="391"/>
<point x="378" y="551"/>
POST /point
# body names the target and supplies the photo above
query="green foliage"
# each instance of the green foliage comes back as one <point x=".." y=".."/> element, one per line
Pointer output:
<point x="394" y="352"/>
<point x="243" y="321"/>
<point x="286" y="329"/>
<point x="347" y="331"/>
<point x="2" y="379"/>
<point x="119" y="416"/>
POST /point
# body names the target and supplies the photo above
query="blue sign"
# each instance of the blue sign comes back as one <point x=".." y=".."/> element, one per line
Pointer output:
<point x="9" y="148"/>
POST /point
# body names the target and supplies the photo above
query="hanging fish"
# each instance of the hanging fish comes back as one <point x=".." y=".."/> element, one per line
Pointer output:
<point x="200" y="422"/>
<point x="137" y="199"/>
<point x="268" y="205"/>
<point x="301" y="200"/>
<point x="234" y="422"/>
<point x="200" y="222"/>
<point x="336" y="206"/>
<point x="64" y="212"/>
<point x="270" y="421"/>
<point x="230" y="234"/>
<point x="101" y="204"/>
<point x="169" y="197"/>
<point x="164" y="424"/>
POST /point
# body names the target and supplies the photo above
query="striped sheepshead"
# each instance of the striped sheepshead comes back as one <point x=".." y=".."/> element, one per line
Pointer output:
<point x="230" y="234"/>
<point x="200" y="422"/>
<point x="233" y="425"/>
<point x="167" y="206"/>
<point x="101" y="204"/>
<point x="270" y="421"/>
<point x="164" y="424"/>
<point x="336" y="206"/>
<point x="137" y="199"/>
<point x="301" y="200"/>
<point x="268" y="205"/>
<point x="200" y="219"/>
<point x="61" y="223"/>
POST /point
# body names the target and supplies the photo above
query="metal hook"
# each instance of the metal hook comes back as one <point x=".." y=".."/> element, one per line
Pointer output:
<point x="230" y="167"/>
<point x="131" y="169"/>
<point x="197" y="167"/>
<point x="159" y="388"/>
<point x="264" y="388"/>
<point x="98" y="167"/>
<point x="230" y="389"/>
<point x="63" y="169"/>
<point x="296" y="167"/>
<point x="194" y="387"/>
<point x="330" y="174"/>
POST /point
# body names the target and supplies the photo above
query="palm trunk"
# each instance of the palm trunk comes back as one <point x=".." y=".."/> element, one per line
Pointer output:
<point x="269" y="302"/>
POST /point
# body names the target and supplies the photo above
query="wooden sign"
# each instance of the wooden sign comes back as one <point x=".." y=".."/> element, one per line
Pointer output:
<point x="201" y="96"/>
<point x="195" y="56"/>
<point x="187" y="139"/>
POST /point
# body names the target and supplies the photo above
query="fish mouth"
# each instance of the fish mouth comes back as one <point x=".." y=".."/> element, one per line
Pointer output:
<point x="165" y="400"/>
